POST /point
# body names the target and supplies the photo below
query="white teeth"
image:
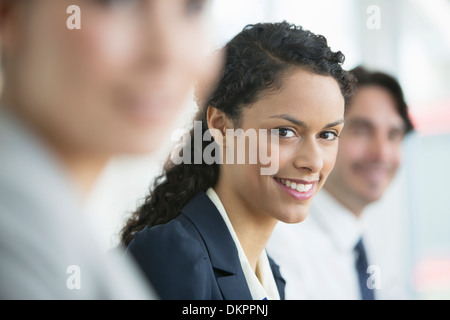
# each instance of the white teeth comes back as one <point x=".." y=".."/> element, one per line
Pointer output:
<point x="296" y="186"/>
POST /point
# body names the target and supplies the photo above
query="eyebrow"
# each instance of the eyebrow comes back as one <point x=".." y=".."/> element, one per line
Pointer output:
<point x="362" y="122"/>
<point x="303" y="124"/>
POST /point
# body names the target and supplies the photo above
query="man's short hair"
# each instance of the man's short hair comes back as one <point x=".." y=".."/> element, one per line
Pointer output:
<point x="387" y="82"/>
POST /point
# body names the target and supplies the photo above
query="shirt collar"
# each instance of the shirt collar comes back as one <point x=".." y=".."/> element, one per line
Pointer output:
<point x="260" y="290"/>
<point x="343" y="227"/>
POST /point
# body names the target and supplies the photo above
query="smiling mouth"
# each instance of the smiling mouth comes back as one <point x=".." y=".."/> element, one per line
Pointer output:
<point x="374" y="173"/>
<point x="296" y="185"/>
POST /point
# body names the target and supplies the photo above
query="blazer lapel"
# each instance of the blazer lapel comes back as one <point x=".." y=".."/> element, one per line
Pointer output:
<point x="279" y="280"/>
<point x="220" y="245"/>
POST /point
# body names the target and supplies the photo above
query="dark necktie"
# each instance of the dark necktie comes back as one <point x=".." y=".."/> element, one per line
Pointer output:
<point x="361" y="267"/>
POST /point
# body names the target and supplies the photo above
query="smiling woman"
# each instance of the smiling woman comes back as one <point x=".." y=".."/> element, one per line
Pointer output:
<point x="202" y="231"/>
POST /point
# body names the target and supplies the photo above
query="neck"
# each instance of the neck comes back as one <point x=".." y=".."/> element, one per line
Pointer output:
<point x="82" y="167"/>
<point x="355" y="206"/>
<point x="252" y="229"/>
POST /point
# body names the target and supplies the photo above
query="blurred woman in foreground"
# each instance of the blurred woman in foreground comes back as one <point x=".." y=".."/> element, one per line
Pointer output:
<point x="72" y="99"/>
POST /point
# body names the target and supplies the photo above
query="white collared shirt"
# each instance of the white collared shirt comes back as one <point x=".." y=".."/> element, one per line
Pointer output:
<point x="266" y="287"/>
<point x="317" y="257"/>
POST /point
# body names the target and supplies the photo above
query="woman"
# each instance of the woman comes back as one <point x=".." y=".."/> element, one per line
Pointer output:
<point x="72" y="99"/>
<point x="201" y="233"/>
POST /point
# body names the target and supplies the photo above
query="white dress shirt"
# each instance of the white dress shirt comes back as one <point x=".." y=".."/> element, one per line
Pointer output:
<point x="48" y="250"/>
<point x="317" y="257"/>
<point x="260" y="289"/>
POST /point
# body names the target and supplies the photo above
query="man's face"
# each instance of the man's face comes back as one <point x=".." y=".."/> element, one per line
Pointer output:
<point x="369" y="149"/>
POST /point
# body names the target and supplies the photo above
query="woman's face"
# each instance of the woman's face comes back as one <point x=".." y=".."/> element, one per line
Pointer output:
<point x="116" y="85"/>
<point x="308" y="111"/>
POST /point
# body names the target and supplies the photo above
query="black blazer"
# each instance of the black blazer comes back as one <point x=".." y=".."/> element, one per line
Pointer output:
<point x="194" y="256"/>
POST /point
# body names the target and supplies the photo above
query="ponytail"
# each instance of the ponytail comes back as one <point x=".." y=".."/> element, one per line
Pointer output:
<point x="173" y="189"/>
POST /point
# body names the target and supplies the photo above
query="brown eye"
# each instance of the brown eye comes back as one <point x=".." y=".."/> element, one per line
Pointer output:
<point x="286" y="133"/>
<point x="328" y="135"/>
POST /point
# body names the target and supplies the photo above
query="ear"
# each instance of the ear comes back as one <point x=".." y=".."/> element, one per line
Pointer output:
<point x="216" y="119"/>
<point x="218" y="123"/>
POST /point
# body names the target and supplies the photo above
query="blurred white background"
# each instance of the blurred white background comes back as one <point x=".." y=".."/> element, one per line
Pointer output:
<point x="412" y="43"/>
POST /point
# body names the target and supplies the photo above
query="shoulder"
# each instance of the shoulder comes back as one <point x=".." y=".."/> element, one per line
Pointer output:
<point x="37" y="247"/>
<point x="174" y="259"/>
<point x="177" y="236"/>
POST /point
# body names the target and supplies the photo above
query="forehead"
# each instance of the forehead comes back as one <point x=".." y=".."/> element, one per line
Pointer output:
<point x="303" y="95"/>
<point x="376" y="105"/>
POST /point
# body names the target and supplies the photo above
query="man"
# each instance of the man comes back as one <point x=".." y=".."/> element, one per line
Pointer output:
<point x="326" y="256"/>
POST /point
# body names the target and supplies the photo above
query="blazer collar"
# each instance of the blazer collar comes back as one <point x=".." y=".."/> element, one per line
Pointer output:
<point x="209" y="223"/>
<point x="220" y="245"/>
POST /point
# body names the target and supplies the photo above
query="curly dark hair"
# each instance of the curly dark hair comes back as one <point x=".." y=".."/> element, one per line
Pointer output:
<point x="257" y="61"/>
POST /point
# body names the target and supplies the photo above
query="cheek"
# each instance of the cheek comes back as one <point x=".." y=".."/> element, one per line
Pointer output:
<point x="47" y="68"/>
<point x="75" y="66"/>
<point x="329" y="157"/>
<point x="108" y="47"/>
<point x="283" y="157"/>
<point x="397" y="157"/>
<point x="101" y="52"/>
<point x="270" y="154"/>
<point x="350" y="151"/>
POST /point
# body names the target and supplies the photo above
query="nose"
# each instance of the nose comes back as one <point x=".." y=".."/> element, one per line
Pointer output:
<point x="169" y="40"/>
<point x="159" y="40"/>
<point x="309" y="156"/>
<point x="380" y="147"/>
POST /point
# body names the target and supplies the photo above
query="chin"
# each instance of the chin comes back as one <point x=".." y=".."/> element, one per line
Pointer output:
<point x="139" y="143"/>
<point x="371" y="192"/>
<point x="295" y="218"/>
<point x="371" y="196"/>
<point x="142" y="149"/>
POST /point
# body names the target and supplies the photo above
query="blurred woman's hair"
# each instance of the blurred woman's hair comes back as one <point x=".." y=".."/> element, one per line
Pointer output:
<point x="257" y="61"/>
<point x="365" y="77"/>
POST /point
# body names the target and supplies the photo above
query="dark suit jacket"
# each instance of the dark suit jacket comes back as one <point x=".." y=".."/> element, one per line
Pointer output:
<point x="194" y="256"/>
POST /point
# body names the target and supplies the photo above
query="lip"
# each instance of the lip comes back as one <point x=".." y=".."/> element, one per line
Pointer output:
<point x="374" y="175"/>
<point x="301" y="196"/>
